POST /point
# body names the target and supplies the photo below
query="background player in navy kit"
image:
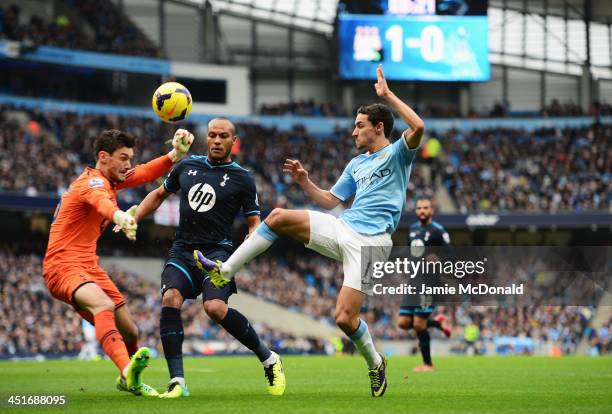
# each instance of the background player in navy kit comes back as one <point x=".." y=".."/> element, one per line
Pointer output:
<point x="425" y="232"/>
<point x="213" y="190"/>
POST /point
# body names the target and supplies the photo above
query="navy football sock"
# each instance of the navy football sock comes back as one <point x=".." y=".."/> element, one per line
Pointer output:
<point x="171" y="331"/>
<point x="434" y="324"/>
<point x="240" y="328"/>
<point x="424" y="346"/>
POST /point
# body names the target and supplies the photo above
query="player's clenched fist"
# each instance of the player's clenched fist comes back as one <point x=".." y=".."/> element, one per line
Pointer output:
<point x="181" y="142"/>
<point x="125" y="222"/>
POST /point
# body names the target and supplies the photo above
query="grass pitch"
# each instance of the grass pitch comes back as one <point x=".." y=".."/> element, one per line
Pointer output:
<point x="326" y="384"/>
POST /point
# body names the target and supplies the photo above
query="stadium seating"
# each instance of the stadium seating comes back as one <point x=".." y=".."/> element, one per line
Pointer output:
<point x="112" y="31"/>
<point x="483" y="170"/>
<point x="28" y="317"/>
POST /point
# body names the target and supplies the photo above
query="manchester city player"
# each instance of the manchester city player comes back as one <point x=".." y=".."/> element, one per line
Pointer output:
<point x="377" y="179"/>
<point x="213" y="190"/>
<point x="425" y="232"/>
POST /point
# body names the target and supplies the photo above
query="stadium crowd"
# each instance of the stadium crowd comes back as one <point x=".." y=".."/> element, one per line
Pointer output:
<point x="501" y="170"/>
<point x="306" y="107"/>
<point x="112" y="30"/>
<point x="32" y="323"/>
<point x="490" y="170"/>
<point x="29" y="317"/>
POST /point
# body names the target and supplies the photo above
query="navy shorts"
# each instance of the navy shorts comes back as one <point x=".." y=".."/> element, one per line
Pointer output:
<point x="416" y="311"/>
<point x="181" y="273"/>
<point x="417" y="305"/>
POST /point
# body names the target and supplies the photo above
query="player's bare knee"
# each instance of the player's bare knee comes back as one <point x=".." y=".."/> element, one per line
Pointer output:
<point x="420" y="324"/>
<point x="275" y="219"/>
<point x="404" y="323"/>
<point x="345" y="320"/>
<point x="172" y="298"/>
<point x="216" y="309"/>
<point x="103" y="303"/>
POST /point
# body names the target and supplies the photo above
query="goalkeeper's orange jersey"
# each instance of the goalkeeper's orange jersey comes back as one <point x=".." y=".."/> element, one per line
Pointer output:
<point x="86" y="209"/>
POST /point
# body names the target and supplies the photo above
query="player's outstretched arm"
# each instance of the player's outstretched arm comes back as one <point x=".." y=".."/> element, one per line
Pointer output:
<point x="298" y="173"/>
<point x="144" y="173"/>
<point x="151" y="203"/>
<point x="416" y="126"/>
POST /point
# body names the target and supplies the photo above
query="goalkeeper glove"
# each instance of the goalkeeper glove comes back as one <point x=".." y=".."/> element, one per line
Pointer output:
<point x="125" y="222"/>
<point x="181" y="143"/>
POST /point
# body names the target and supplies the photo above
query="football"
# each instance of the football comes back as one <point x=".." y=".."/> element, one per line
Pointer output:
<point x="172" y="102"/>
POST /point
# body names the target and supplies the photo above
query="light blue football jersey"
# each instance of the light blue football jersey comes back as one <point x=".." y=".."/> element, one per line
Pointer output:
<point x="379" y="183"/>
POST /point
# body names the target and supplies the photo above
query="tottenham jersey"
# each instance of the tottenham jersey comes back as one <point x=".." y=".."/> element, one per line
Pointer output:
<point x="433" y="234"/>
<point x="211" y="198"/>
<point x="379" y="183"/>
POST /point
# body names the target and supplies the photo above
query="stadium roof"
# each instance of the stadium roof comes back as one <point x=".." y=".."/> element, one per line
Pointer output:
<point x="315" y="15"/>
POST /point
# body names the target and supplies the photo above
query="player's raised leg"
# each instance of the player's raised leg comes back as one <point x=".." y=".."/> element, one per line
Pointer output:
<point x="294" y="223"/>
<point x="439" y="323"/>
<point x="239" y="327"/>
<point x="347" y="318"/>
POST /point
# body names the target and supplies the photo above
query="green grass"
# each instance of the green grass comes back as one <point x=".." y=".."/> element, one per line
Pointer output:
<point x="224" y="385"/>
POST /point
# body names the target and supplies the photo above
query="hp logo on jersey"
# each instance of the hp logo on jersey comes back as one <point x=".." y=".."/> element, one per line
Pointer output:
<point x="201" y="197"/>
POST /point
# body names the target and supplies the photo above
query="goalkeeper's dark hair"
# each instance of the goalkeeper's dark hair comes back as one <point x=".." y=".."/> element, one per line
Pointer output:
<point x="378" y="113"/>
<point x="111" y="140"/>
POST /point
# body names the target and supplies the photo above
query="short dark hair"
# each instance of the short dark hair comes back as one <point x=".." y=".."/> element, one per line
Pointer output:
<point x="378" y="113"/>
<point x="425" y="198"/>
<point x="111" y="140"/>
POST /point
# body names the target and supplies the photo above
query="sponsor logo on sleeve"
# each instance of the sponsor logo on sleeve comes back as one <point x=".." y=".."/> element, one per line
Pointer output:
<point x="96" y="183"/>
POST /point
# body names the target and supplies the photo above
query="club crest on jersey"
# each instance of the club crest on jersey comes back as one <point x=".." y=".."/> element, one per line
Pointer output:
<point x="383" y="155"/>
<point x="202" y="197"/>
<point x="96" y="183"/>
<point x="225" y="178"/>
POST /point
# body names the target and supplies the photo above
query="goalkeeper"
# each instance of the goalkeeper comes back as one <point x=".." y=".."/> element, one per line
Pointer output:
<point x="70" y="267"/>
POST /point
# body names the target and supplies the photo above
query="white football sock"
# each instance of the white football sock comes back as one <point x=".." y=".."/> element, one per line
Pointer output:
<point x="179" y="380"/>
<point x="270" y="361"/>
<point x="364" y="343"/>
<point x="261" y="239"/>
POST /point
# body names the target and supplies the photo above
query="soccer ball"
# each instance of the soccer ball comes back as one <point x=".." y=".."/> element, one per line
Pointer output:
<point x="172" y="102"/>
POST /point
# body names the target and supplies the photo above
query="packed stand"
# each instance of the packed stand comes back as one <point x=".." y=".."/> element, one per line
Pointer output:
<point x="33" y="324"/>
<point x="570" y="108"/>
<point x="113" y="31"/>
<point x="303" y="108"/>
<point x="492" y="170"/>
<point x="59" y="146"/>
<point x="600" y="339"/>
<point x="553" y="170"/>
<point x="35" y="31"/>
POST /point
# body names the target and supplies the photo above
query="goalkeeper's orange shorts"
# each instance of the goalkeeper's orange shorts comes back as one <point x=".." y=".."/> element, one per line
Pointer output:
<point x="63" y="280"/>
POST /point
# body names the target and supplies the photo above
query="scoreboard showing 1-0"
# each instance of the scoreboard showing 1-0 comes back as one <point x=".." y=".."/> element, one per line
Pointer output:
<point x="432" y="48"/>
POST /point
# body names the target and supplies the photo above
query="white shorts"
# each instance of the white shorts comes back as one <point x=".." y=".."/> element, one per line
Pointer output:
<point x="334" y="238"/>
